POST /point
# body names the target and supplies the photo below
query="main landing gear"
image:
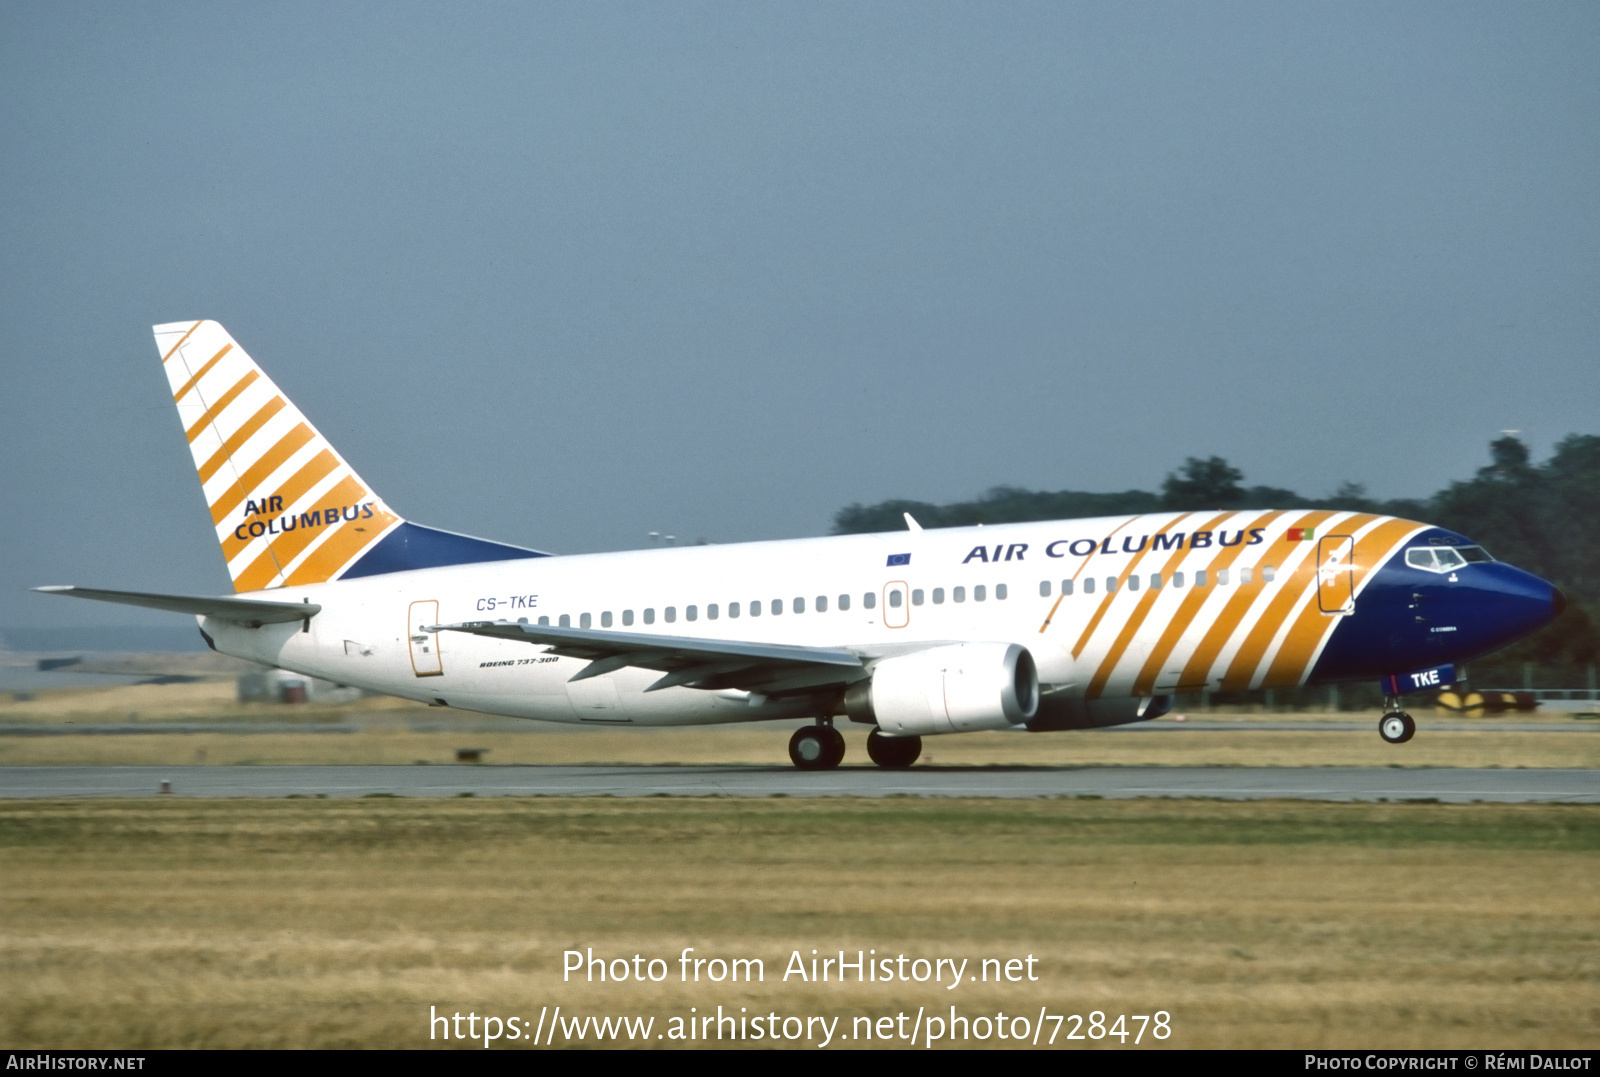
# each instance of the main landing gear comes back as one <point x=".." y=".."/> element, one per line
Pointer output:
<point x="893" y="753"/>
<point x="821" y="747"/>
<point x="1396" y="726"/>
<point x="816" y="747"/>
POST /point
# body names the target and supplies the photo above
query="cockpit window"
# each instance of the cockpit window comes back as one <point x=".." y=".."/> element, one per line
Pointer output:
<point x="1445" y="558"/>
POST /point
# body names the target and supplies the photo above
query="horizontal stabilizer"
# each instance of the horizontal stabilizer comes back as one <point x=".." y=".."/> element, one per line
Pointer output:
<point x="240" y="610"/>
<point x="698" y="663"/>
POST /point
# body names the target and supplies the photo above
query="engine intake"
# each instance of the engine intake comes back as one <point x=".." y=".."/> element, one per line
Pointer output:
<point x="957" y="688"/>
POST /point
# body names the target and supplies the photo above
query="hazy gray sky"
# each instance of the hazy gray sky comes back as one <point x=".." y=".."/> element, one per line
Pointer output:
<point x="562" y="274"/>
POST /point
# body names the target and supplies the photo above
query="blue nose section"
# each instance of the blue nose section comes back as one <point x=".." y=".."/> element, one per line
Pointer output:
<point x="1500" y="605"/>
<point x="1408" y="619"/>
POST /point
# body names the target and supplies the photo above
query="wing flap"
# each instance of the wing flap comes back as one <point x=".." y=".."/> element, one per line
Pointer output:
<point x="686" y="660"/>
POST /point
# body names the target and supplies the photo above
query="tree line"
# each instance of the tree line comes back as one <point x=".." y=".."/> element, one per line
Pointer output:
<point x="1542" y="517"/>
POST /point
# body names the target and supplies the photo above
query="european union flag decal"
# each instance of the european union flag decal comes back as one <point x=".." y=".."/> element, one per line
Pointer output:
<point x="899" y="559"/>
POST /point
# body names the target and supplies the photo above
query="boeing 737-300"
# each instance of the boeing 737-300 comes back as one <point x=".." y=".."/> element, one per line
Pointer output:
<point x="1068" y="624"/>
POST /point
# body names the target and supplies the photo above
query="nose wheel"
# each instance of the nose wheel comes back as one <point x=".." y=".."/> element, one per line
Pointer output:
<point x="816" y="747"/>
<point x="1396" y="727"/>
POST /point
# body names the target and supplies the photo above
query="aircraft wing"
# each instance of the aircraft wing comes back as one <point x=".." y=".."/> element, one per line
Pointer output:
<point x="244" y="611"/>
<point x="768" y="668"/>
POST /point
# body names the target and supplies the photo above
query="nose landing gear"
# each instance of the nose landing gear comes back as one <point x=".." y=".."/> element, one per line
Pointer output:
<point x="1396" y="726"/>
<point x="816" y="747"/>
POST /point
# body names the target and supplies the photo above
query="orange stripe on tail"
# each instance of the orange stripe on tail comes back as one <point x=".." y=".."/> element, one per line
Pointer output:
<point x="221" y="405"/>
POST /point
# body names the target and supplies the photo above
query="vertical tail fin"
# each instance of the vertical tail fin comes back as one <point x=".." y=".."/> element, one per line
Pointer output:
<point x="287" y="508"/>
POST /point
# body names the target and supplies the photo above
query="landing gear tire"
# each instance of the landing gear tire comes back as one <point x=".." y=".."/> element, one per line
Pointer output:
<point x="893" y="753"/>
<point x="1396" y="727"/>
<point x="816" y="747"/>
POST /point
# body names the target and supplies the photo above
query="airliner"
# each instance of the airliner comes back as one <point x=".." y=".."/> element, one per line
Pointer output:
<point x="1058" y="625"/>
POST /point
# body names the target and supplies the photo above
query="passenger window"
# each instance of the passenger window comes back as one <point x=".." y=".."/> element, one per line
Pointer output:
<point x="979" y="593"/>
<point x="1044" y="588"/>
<point x="691" y="613"/>
<point x="672" y="614"/>
<point x="649" y="616"/>
<point x="1222" y="577"/>
<point x="1133" y="582"/>
<point x="844" y="602"/>
<point x="755" y="608"/>
<point x="916" y="597"/>
<point x="583" y="620"/>
<point x="605" y="619"/>
<point x="1244" y="576"/>
<point x="566" y="621"/>
<point x="627" y="617"/>
<point x="894" y="598"/>
<point x="822" y="603"/>
<point x="1155" y="581"/>
<point x="959" y="594"/>
<point x="1111" y="585"/>
<point x="733" y="610"/>
<point x="1066" y="587"/>
<point x="777" y="606"/>
<point x="544" y="621"/>
<point x="799" y="605"/>
<point x="869" y="601"/>
<point x="938" y="596"/>
<point x="1088" y="585"/>
<point x="1000" y="592"/>
<point x="711" y="612"/>
<point x="1268" y="573"/>
<point x="1177" y="579"/>
<point x="1200" y="577"/>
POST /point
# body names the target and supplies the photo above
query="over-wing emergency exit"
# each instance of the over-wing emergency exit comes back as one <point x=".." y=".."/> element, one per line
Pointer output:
<point x="1060" y="625"/>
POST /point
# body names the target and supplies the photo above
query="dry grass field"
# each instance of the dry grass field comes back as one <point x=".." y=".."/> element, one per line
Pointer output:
<point x="293" y="923"/>
<point x="385" y="730"/>
<point x="142" y="924"/>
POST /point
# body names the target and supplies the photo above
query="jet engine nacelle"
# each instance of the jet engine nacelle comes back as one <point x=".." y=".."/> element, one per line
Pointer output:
<point x="953" y="689"/>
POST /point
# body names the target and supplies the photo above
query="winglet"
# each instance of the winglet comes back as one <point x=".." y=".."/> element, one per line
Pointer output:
<point x="911" y="523"/>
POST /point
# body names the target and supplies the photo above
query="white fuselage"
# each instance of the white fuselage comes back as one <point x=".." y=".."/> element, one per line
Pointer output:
<point x="1236" y="610"/>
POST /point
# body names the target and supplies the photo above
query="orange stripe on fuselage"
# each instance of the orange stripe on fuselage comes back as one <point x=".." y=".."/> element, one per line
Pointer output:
<point x="1146" y="677"/>
<point x="1290" y="665"/>
<point x="258" y="472"/>
<point x="178" y="396"/>
<point x="1197" y="669"/>
<point x="240" y="436"/>
<point x="1105" y="603"/>
<point x="1135" y="620"/>
<point x="1242" y="670"/>
<point x="221" y="405"/>
<point x="1187" y="609"/>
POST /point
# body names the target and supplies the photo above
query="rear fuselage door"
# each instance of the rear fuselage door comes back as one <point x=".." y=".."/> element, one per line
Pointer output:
<point x="896" y="605"/>
<point x="425" y="658"/>
<point x="1336" y="564"/>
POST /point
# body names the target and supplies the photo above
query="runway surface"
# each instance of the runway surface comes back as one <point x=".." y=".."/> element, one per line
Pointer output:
<point x="1225" y="783"/>
<point x="157" y="728"/>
